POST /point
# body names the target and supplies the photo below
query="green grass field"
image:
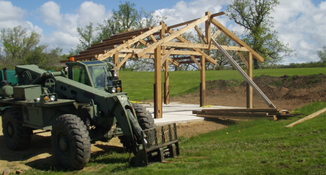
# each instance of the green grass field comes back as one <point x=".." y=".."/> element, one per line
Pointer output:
<point x="252" y="147"/>
<point x="139" y="85"/>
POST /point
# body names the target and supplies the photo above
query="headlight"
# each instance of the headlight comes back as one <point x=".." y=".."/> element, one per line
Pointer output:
<point x="113" y="90"/>
<point x="52" y="97"/>
<point x="37" y="99"/>
<point x="49" y="98"/>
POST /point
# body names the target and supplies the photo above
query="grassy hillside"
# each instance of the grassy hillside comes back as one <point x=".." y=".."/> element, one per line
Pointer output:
<point x="139" y="85"/>
<point x="253" y="147"/>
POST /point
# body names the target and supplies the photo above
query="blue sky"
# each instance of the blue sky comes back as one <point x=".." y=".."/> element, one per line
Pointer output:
<point x="299" y="23"/>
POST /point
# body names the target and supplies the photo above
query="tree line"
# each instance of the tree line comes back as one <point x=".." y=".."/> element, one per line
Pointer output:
<point x="23" y="47"/>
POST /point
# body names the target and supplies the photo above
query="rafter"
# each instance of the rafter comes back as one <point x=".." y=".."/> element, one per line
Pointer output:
<point x="200" y="33"/>
<point x="243" y="58"/>
<point x="201" y="46"/>
<point x="128" y="56"/>
<point x="209" y="58"/>
<point x="172" y="36"/>
<point x="130" y="42"/>
<point x="237" y="39"/>
<point x="167" y="55"/>
<point x="195" y="60"/>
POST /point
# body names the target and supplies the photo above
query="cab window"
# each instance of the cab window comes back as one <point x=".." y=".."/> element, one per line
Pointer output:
<point x="80" y="74"/>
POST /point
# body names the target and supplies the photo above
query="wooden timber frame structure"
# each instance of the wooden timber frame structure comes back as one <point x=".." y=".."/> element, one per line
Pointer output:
<point x="162" y="42"/>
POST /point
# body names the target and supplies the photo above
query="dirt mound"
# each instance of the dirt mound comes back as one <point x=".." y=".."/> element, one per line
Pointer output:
<point x="286" y="92"/>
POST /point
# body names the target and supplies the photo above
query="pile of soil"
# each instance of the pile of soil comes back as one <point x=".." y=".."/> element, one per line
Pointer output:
<point x="286" y="92"/>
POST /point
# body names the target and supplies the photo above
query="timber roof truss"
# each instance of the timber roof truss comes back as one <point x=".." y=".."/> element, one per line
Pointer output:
<point x="141" y="43"/>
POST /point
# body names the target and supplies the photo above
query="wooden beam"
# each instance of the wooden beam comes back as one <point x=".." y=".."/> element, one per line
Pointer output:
<point x="167" y="83"/>
<point x="187" y="22"/>
<point x="237" y="39"/>
<point x="195" y="60"/>
<point x="130" y="42"/>
<point x="171" y="36"/>
<point x="116" y="61"/>
<point x="200" y="33"/>
<point x="128" y="56"/>
<point x="201" y="46"/>
<point x="185" y="52"/>
<point x="181" y="24"/>
<point x="174" y="62"/>
<point x="203" y="82"/>
<point x="153" y="38"/>
<point x="143" y="42"/>
<point x="243" y="58"/>
<point x="187" y="62"/>
<point x="158" y="84"/>
<point x="235" y="110"/>
<point x="208" y="30"/>
<point x="217" y="14"/>
<point x="216" y="34"/>
<point x="167" y="55"/>
<point x="209" y="58"/>
<point x="307" y="118"/>
<point x="174" y="52"/>
<point x="250" y="91"/>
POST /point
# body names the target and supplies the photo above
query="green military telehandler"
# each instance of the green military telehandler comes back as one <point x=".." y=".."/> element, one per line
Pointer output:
<point x="79" y="106"/>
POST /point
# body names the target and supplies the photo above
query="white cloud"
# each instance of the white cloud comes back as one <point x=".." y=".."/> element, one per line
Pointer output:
<point x="65" y="34"/>
<point x="12" y="16"/>
<point x="183" y="11"/>
<point x="61" y="39"/>
<point x="300" y="23"/>
<point x="92" y="12"/>
<point x="51" y="14"/>
<point x="10" y="12"/>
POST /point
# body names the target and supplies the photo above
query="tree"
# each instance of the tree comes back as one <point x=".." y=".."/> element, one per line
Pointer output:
<point x="23" y="47"/>
<point x="322" y="55"/>
<point x="254" y="16"/>
<point x="18" y="43"/>
<point x="86" y="37"/>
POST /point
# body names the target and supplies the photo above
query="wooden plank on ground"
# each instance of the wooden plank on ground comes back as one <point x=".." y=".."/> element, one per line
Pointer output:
<point x="307" y="118"/>
<point x="235" y="117"/>
<point x="243" y="113"/>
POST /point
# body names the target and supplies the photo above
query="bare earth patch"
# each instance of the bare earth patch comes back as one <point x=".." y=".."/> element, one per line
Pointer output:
<point x="285" y="92"/>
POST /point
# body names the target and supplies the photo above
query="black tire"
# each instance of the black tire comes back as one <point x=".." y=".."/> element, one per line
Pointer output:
<point x="145" y="121"/>
<point x="17" y="136"/>
<point x="71" y="142"/>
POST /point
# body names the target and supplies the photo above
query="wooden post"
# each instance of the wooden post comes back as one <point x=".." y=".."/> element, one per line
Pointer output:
<point x="203" y="82"/>
<point x="208" y="28"/>
<point x="249" y="88"/>
<point x="116" y="61"/>
<point x="167" y="73"/>
<point x="158" y="83"/>
<point x="167" y="83"/>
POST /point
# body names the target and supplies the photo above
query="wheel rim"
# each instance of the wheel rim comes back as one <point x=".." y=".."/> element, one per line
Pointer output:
<point x="10" y="130"/>
<point x="63" y="144"/>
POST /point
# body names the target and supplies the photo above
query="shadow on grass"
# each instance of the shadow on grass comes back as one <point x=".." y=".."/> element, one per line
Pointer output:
<point x="39" y="154"/>
<point x="99" y="157"/>
<point x="226" y="122"/>
<point x="39" y="145"/>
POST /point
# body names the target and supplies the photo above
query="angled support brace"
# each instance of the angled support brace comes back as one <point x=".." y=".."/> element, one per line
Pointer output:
<point x="247" y="78"/>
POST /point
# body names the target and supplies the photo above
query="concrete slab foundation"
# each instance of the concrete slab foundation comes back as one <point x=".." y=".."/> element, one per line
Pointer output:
<point x="179" y="112"/>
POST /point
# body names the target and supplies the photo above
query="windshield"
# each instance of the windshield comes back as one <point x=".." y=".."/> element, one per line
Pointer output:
<point x="99" y="76"/>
